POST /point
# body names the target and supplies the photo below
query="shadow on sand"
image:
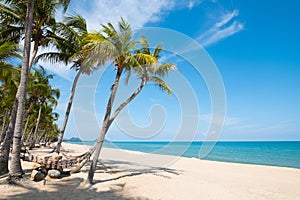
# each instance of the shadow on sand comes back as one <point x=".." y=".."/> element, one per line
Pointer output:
<point x="122" y="169"/>
<point x="73" y="187"/>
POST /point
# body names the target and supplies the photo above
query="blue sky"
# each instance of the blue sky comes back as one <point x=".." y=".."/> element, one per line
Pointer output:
<point x="253" y="44"/>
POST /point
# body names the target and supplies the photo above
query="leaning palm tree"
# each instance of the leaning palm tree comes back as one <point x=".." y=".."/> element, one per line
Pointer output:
<point x="118" y="45"/>
<point x="69" y="40"/>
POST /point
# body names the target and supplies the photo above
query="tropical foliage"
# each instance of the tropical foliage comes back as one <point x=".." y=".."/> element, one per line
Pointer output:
<point x="69" y="40"/>
<point x="127" y="55"/>
<point x="28" y="100"/>
<point x="33" y="21"/>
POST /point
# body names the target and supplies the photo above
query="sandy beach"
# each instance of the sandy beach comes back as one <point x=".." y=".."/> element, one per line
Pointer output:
<point x="134" y="175"/>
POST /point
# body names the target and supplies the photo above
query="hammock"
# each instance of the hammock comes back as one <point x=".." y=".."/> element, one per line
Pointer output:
<point x="58" y="162"/>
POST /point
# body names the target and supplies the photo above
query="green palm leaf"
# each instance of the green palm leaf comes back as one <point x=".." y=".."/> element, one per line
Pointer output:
<point x="161" y="84"/>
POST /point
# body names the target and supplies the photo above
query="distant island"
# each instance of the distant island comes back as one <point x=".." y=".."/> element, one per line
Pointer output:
<point x="72" y="139"/>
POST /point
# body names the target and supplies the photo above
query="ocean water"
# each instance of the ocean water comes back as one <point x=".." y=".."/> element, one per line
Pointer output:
<point x="285" y="154"/>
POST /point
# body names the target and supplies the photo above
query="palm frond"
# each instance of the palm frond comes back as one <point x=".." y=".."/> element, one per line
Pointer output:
<point x="9" y="12"/>
<point x="164" y="69"/>
<point x="158" y="49"/>
<point x="98" y="53"/>
<point x="128" y="74"/>
<point x="52" y="57"/>
<point x="161" y="84"/>
<point x="145" y="59"/>
<point x="65" y="4"/>
<point x="145" y="45"/>
<point x="124" y="26"/>
<point x="9" y="50"/>
<point x="76" y="21"/>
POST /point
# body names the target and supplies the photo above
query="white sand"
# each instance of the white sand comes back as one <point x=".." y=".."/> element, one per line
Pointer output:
<point x="135" y="175"/>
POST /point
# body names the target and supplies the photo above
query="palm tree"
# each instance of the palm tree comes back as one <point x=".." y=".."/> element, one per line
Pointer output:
<point x="14" y="18"/>
<point x="45" y="112"/>
<point x="15" y="167"/>
<point x="118" y="46"/>
<point x="41" y="94"/>
<point x="37" y="17"/>
<point x="8" y="91"/>
<point x="9" y="77"/>
<point x="47" y="124"/>
<point x="69" y="39"/>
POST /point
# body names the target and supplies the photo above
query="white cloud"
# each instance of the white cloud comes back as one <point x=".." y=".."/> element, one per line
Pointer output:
<point x="58" y="68"/>
<point x="191" y="4"/>
<point x="227" y="18"/>
<point x="136" y="12"/>
<point x="279" y="127"/>
<point x="225" y="27"/>
<point x="227" y="121"/>
<point x="282" y="130"/>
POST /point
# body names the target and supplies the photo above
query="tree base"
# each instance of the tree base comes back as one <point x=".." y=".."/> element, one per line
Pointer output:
<point x="56" y="150"/>
<point x="14" y="179"/>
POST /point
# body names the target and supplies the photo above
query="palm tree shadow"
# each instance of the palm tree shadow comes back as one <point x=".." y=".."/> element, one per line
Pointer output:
<point x="68" y="189"/>
<point x="72" y="187"/>
<point x="121" y="169"/>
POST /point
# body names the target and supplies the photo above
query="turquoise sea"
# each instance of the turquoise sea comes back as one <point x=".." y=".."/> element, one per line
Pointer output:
<point x="285" y="154"/>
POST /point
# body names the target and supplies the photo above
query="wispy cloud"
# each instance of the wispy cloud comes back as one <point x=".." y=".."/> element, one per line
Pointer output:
<point x="59" y="68"/>
<point x="191" y="4"/>
<point x="279" y="127"/>
<point x="226" y="26"/>
<point x="137" y="12"/>
<point x="227" y="121"/>
<point x="103" y="11"/>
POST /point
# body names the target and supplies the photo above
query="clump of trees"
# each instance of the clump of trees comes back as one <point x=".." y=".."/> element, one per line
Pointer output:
<point x="27" y="112"/>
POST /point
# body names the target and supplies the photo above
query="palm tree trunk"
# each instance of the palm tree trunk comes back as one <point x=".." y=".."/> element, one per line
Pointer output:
<point x="25" y="129"/>
<point x="127" y="101"/>
<point x="16" y="170"/>
<point x="5" y="147"/>
<point x="63" y="128"/>
<point x="105" y="126"/>
<point x="29" y="136"/>
<point x="36" y="128"/>
<point x="4" y="126"/>
<point x="44" y="139"/>
<point x="41" y="136"/>
<point x="108" y="121"/>
<point x="29" y="109"/>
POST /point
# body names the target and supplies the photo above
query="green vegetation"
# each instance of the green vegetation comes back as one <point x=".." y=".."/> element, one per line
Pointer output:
<point x="28" y="100"/>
